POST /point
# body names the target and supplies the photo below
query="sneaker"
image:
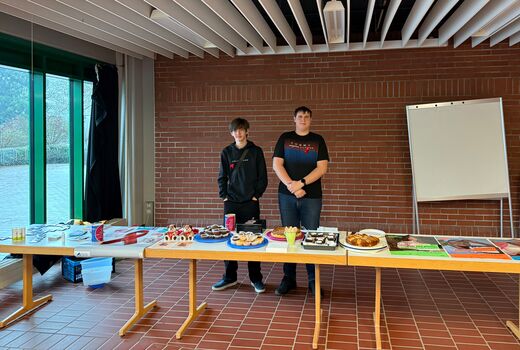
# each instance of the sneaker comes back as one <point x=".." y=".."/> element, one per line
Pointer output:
<point x="285" y="286"/>
<point x="259" y="286"/>
<point x="223" y="284"/>
<point x="312" y="289"/>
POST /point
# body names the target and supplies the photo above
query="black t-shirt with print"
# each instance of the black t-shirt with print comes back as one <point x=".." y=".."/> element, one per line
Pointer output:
<point x="301" y="155"/>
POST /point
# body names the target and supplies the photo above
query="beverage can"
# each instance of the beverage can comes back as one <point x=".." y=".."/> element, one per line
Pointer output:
<point x="97" y="233"/>
<point x="230" y="221"/>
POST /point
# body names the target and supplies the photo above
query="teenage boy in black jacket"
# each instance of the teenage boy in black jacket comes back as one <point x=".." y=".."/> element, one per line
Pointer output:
<point x="241" y="184"/>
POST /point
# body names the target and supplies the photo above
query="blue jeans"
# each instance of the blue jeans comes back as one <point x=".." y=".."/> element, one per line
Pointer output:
<point x="299" y="212"/>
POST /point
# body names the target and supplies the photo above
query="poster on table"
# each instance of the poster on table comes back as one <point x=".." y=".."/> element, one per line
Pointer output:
<point x="469" y="247"/>
<point x="510" y="246"/>
<point x="116" y="241"/>
<point x="414" y="245"/>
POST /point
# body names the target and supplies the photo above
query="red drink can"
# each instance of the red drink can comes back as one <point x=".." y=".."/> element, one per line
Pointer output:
<point x="230" y="221"/>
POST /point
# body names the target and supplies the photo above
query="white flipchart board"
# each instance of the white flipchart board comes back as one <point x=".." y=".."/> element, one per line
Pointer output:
<point x="458" y="150"/>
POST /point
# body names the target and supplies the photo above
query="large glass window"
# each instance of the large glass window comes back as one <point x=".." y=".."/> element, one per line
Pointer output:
<point x="88" y="87"/>
<point x="57" y="148"/>
<point x="14" y="148"/>
<point x="45" y="99"/>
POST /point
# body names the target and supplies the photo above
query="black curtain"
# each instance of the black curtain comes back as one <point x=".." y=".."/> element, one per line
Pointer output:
<point x="103" y="191"/>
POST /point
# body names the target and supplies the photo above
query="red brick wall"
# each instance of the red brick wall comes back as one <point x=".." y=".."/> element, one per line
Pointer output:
<point x="358" y="101"/>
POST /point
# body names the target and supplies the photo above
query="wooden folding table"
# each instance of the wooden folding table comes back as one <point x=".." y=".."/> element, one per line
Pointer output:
<point x="220" y="251"/>
<point x="385" y="260"/>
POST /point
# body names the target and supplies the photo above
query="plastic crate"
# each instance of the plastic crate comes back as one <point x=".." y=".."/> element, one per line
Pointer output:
<point x="96" y="271"/>
<point x="71" y="268"/>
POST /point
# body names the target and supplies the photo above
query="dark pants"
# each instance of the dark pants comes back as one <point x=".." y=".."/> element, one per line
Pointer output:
<point x="244" y="211"/>
<point x="298" y="212"/>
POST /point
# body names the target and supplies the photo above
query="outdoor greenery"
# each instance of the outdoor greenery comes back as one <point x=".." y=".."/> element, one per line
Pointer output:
<point x="14" y="117"/>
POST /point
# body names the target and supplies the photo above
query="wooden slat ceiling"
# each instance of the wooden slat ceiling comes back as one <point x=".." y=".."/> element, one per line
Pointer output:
<point x="146" y="28"/>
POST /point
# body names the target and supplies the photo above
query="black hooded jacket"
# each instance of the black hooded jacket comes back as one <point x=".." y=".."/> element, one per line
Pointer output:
<point x="251" y="179"/>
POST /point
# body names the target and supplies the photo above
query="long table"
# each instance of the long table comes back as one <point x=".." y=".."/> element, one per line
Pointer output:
<point x="221" y="251"/>
<point x="385" y="259"/>
<point x="62" y="247"/>
<point x="193" y="252"/>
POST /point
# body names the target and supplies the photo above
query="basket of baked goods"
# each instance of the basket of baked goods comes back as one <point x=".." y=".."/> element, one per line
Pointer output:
<point x="320" y="240"/>
<point x="246" y="240"/>
<point x="213" y="234"/>
<point x="367" y="239"/>
<point x="278" y="233"/>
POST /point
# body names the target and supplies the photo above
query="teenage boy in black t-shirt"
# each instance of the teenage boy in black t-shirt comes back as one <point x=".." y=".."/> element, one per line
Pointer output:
<point x="300" y="159"/>
<point x="241" y="183"/>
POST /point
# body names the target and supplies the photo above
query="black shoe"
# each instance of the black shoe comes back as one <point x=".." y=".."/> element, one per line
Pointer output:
<point x="285" y="286"/>
<point x="259" y="286"/>
<point x="223" y="284"/>
<point x="312" y="289"/>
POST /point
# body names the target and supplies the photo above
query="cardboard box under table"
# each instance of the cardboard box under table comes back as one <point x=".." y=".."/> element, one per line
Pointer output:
<point x="384" y="259"/>
<point x="221" y="251"/>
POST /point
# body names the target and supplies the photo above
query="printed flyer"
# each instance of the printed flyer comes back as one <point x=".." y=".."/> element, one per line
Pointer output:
<point x="414" y="245"/>
<point x="510" y="246"/>
<point x="468" y="247"/>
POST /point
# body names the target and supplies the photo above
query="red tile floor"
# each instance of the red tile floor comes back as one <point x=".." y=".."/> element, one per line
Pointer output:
<point x="422" y="310"/>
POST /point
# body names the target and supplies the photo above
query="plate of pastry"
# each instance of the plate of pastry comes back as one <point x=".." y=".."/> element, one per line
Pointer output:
<point x="278" y="233"/>
<point x="213" y="234"/>
<point x="320" y="240"/>
<point x="373" y="232"/>
<point x="363" y="241"/>
<point x="247" y="240"/>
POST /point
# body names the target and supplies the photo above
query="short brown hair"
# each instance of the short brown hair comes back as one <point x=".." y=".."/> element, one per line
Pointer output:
<point x="238" y="123"/>
<point x="302" y="109"/>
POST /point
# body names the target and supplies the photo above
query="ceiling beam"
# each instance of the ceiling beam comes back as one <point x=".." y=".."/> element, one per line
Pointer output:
<point x="75" y="14"/>
<point x="437" y="13"/>
<point x="62" y="29"/>
<point x="296" y="8"/>
<point x="373" y="45"/>
<point x="204" y="14"/>
<point x="506" y="32"/>
<point x="229" y="14"/>
<point x="176" y="12"/>
<point x="457" y="20"/>
<point x="490" y="11"/>
<point x="276" y="15"/>
<point x="176" y="28"/>
<point x="368" y="20"/>
<point x="83" y="27"/>
<point x="389" y="16"/>
<point x="419" y="10"/>
<point x="145" y="23"/>
<point x="254" y="17"/>
<point x="111" y="19"/>
<point x="496" y="24"/>
<point x="319" y="3"/>
<point x="514" y="39"/>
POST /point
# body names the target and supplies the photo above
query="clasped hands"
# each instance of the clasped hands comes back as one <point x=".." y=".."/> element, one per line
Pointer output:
<point x="296" y="188"/>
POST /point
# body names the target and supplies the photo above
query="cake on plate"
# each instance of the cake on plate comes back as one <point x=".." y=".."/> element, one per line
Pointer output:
<point x="362" y="240"/>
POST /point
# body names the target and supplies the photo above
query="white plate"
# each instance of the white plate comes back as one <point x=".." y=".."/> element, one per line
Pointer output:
<point x="382" y="244"/>
<point x="373" y="232"/>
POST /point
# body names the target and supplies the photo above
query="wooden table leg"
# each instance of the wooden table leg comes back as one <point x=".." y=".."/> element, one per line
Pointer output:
<point x="28" y="303"/>
<point x="377" y="312"/>
<point x="194" y="311"/>
<point x="510" y="324"/>
<point x="317" y="302"/>
<point x="140" y="309"/>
